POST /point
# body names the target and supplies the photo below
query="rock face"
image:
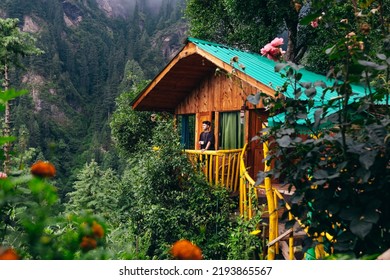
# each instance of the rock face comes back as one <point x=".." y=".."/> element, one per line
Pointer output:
<point x="170" y="41"/>
<point x="35" y="83"/>
<point x="29" y="25"/>
<point x="116" y="8"/>
<point x="72" y="14"/>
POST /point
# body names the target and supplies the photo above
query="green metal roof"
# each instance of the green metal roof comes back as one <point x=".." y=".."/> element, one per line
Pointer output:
<point x="262" y="69"/>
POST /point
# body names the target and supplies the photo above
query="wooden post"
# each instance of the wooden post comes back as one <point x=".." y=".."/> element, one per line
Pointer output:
<point x="273" y="215"/>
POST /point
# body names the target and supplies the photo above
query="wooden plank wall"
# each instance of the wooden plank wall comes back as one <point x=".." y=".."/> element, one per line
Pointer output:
<point x="217" y="93"/>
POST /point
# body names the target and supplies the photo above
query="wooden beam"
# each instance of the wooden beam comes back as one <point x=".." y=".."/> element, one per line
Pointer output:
<point x="280" y="237"/>
<point x="188" y="50"/>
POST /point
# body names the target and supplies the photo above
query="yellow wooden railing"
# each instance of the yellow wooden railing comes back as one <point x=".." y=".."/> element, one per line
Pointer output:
<point x="248" y="192"/>
<point x="220" y="167"/>
<point x="227" y="168"/>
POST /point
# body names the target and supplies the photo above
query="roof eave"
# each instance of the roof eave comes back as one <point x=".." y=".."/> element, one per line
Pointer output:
<point x="187" y="50"/>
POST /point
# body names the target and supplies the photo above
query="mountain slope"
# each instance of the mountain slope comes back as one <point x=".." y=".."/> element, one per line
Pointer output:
<point x="73" y="85"/>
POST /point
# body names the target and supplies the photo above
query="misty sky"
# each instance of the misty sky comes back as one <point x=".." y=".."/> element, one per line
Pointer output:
<point x="129" y="4"/>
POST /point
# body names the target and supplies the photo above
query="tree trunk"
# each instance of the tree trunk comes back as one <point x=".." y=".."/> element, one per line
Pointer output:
<point x="7" y="121"/>
<point x="291" y="21"/>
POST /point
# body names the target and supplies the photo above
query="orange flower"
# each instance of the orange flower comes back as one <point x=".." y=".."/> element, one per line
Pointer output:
<point x="43" y="169"/>
<point x="8" y="254"/>
<point x="97" y="230"/>
<point x="186" y="250"/>
<point x="88" y="243"/>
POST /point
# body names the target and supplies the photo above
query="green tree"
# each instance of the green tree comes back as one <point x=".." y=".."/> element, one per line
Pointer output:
<point x="14" y="45"/>
<point x="133" y="75"/>
<point x="249" y="24"/>
<point x="130" y="128"/>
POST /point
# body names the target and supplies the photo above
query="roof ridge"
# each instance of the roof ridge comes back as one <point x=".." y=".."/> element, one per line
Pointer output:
<point x="201" y="41"/>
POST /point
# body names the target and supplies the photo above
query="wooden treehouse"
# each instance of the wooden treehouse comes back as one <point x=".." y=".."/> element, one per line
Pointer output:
<point x="209" y="81"/>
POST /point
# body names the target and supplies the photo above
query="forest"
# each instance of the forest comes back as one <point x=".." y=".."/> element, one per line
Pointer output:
<point x="86" y="177"/>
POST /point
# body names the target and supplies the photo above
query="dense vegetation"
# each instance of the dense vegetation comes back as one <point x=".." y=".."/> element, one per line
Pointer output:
<point x="85" y="65"/>
<point x="124" y="189"/>
<point x="340" y="168"/>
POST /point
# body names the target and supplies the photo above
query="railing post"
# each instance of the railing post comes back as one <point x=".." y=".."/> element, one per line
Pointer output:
<point x="273" y="218"/>
<point x="291" y="241"/>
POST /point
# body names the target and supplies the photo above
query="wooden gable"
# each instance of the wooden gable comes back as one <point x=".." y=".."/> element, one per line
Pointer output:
<point x="190" y="84"/>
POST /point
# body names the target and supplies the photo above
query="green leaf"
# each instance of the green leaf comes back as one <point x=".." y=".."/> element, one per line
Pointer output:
<point x="310" y="92"/>
<point x="260" y="178"/>
<point x="320" y="174"/>
<point x="254" y="98"/>
<point x="320" y="84"/>
<point x="11" y="94"/>
<point x="364" y="4"/>
<point x="350" y="214"/>
<point x="284" y="142"/>
<point x="21" y="179"/>
<point x="8" y="139"/>
<point x="306" y="84"/>
<point x="367" y="158"/>
<point x="329" y="50"/>
<point x="367" y="63"/>
<point x="317" y="117"/>
<point x="371" y="217"/>
<point x="381" y="56"/>
<point x="298" y="76"/>
<point x="360" y="228"/>
<point x="309" y="18"/>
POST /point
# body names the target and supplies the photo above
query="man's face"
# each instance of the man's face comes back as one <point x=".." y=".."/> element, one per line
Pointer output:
<point x="205" y="126"/>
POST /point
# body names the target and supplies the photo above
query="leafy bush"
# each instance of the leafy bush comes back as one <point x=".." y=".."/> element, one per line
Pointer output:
<point x="245" y="242"/>
<point x="30" y="226"/>
<point x="340" y="169"/>
<point x="164" y="195"/>
<point x="130" y="128"/>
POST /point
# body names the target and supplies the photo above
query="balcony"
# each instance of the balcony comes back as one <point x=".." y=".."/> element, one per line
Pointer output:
<point x="226" y="168"/>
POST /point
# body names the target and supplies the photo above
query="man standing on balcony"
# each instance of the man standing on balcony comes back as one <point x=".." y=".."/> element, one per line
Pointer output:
<point x="206" y="139"/>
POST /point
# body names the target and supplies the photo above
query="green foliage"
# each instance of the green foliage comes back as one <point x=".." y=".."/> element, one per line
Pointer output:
<point x="341" y="171"/>
<point x="14" y="44"/>
<point x="249" y="24"/>
<point x="133" y="75"/>
<point x="96" y="191"/>
<point x="163" y="195"/>
<point x="130" y="128"/>
<point x="124" y="244"/>
<point x="245" y="242"/>
<point x="233" y="22"/>
<point x="74" y="83"/>
<point x="33" y="229"/>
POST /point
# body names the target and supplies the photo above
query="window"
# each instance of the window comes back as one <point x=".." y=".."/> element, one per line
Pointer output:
<point x="231" y="134"/>
<point x="186" y="126"/>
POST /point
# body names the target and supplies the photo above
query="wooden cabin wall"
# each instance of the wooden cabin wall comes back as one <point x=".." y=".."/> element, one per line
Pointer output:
<point x="217" y="93"/>
<point x="222" y="94"/>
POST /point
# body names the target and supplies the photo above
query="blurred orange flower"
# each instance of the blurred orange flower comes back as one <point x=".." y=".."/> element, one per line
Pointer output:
<point x="43" y="169"/>
<point x="88" y="243"/>
<point x="8" y="254"/>
<point x="97" y="230"/>
<point x="186" y="250"/>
